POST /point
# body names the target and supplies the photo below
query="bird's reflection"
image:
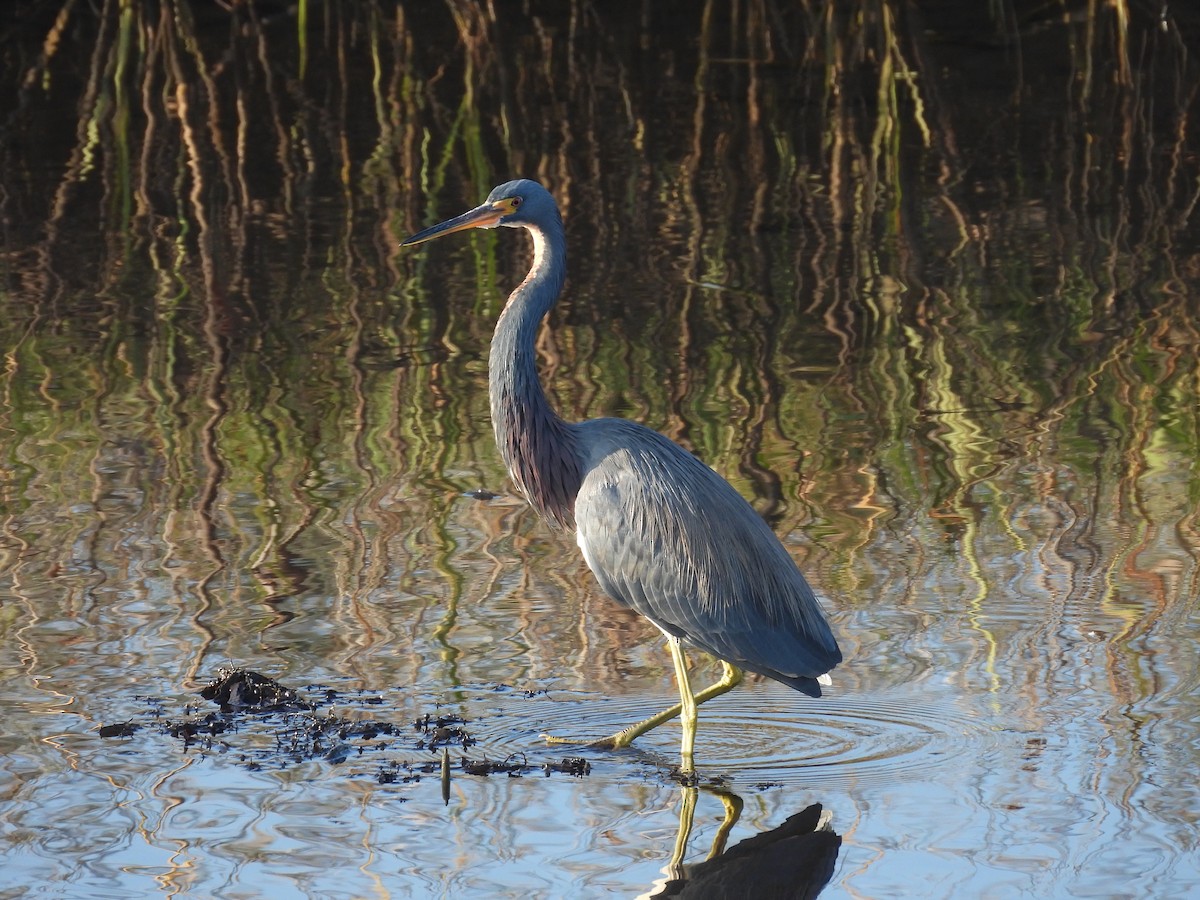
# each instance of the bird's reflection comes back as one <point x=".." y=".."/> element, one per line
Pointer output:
<point x="794" y="860"/>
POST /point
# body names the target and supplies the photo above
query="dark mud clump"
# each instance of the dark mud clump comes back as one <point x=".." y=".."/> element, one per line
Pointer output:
<point x="442" y="731"/>
<point x="242" y="689"/>
<point x="197" y="730"/>
<point x="575" y="766"/>
<point x="262" y="724"/>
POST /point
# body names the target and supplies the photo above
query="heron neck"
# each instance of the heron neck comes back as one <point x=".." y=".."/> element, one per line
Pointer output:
<point x="537" y="446"/>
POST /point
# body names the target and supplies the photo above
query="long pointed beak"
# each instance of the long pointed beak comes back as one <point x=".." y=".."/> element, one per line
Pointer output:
<point x="485" y="216"/>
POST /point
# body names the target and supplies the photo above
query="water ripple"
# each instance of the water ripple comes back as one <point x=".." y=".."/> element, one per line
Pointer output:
<point x="759" y="738"/>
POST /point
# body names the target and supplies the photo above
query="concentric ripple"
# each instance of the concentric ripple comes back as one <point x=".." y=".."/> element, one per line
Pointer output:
<point x="759" y="738"/>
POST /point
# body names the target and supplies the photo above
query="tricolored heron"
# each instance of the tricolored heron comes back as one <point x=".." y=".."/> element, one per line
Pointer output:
<point x="663" y="533"/>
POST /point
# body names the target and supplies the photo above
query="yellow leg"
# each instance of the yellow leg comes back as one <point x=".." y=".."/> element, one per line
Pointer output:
<point x="688" y="716"/>
<point x="731" y="677"/>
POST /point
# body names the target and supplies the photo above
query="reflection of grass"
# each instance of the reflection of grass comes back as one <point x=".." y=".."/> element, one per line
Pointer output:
<point x="802" y="251"/>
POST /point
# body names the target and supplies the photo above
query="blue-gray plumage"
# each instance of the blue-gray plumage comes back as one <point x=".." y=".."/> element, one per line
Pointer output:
<point x="669" y="537"/>
<point x="664" y="534"/>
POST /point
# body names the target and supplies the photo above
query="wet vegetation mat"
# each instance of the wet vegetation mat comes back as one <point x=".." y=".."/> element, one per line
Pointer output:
<point x="263" y="724"/>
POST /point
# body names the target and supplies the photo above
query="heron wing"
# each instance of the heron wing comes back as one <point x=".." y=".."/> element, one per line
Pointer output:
<point x="668" y="537"/>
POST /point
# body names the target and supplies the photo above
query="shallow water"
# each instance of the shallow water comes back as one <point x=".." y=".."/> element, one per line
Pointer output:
<point x="922" y="286"/>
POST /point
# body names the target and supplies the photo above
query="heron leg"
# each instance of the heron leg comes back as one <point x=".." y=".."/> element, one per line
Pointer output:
<point x="688" y="717"/>
<point x="731" y="677"/>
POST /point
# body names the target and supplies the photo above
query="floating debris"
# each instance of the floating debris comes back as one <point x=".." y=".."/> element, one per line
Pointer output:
<point x="507" y="766"/>
<point x="575" y="766"/>
<point x="199" y="731"/>
<point x="405" y="772"/>
<point x="262" y="725"/>
<point x="441" y="732"/>
<point x="516" y="764"/>
<point x="480" y="494"/>
<point x="242" y="689"/>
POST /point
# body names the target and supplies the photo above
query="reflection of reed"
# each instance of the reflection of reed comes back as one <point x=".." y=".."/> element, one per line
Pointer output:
<point x="800" y="249"/>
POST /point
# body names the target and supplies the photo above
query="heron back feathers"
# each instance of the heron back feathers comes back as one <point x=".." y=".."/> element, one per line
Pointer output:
<point x="670" y="538"/>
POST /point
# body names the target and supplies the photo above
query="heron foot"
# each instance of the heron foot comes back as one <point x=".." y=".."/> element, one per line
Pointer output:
<point x="555" y="739"/>
<point x="616" y="741"/>
<point x="731" y="676"/>
<point x="621" y="739"/>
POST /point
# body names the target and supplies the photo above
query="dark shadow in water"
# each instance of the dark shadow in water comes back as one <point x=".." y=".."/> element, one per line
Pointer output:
<point x="794" y="861"/>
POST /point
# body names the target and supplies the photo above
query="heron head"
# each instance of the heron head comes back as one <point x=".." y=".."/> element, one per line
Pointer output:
<point x="519" y="203"/>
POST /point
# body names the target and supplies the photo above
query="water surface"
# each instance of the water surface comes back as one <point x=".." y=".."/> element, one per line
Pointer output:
<point x="921" y="285"/>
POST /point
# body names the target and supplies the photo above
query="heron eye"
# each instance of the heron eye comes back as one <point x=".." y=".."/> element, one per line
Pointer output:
<point x="516" y="201"/>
